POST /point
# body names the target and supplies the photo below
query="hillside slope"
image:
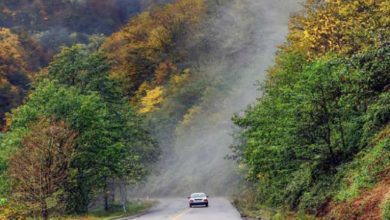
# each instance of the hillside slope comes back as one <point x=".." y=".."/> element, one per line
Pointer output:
<point x="317" y="142"/>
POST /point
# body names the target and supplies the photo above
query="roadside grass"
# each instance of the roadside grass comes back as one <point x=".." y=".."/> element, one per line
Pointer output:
<point x="115" y="212"/>
<point x="365" y="171"/>
<point x="258" y="213"/>
<point x="249" y="207"/>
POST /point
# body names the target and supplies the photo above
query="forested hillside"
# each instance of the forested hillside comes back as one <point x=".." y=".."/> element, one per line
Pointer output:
<point x="151" y="57"/>
<point x="79" y="16"/>
<point x="57" y="23"/>
<point x="317" y="142"/>
<point x="160" y="58"/>
<point x="94" y="93"/>
<point x="31" y="32"/>
<point x="93" y="115"/>
<point x="15" y="70"/>
<point x="76" y="122"/>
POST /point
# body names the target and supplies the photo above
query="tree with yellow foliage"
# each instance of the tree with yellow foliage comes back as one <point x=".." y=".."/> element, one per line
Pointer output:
<point x="151" y="101"/>
<point x="341" y="26"/>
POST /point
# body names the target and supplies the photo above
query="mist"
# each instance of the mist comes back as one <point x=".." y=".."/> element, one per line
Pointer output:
<point x="246" y="35"/>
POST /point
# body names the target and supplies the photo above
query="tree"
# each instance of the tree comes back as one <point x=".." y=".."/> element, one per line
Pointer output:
<point x="86" y="114"/>
<point x="112" y="143"/>
<point x="40" y="167"/>
<point x="87" y="69"/>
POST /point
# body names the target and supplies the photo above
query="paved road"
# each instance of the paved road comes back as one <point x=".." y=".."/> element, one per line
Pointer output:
<point x="177" y="209"/>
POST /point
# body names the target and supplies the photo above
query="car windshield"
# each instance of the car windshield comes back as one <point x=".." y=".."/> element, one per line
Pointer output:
<point x="198" y="195"/>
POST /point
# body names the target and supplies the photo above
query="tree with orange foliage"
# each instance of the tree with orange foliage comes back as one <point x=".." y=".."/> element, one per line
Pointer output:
<point x="14" y="76"/>
<point x="40" y="167"/>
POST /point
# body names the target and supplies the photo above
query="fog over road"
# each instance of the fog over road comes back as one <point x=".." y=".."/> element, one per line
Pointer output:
<point x="246" y="34"/>
<point x="177" y="209"/>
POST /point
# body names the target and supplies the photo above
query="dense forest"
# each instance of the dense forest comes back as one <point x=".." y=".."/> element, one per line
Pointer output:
<point x="317" y="142"/>
<point x="90" y="108"/>
<point x="31" y="32"/>
<point x="76" y="121"/>
<point x="92" y="92"/>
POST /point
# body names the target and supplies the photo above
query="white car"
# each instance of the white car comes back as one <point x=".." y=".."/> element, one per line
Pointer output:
<point x="198" y="199"/>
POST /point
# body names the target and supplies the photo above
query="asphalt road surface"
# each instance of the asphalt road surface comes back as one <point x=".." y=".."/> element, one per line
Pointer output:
<point x="177" y="209"/>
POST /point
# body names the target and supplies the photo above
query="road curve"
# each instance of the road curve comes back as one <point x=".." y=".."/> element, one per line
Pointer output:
<point x="177" y="209"/>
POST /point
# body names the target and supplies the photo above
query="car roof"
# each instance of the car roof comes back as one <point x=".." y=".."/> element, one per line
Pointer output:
<point x="198" y="193"/>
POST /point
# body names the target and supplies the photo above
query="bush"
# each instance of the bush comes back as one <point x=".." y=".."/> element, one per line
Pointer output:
<point x="11" y="212"/>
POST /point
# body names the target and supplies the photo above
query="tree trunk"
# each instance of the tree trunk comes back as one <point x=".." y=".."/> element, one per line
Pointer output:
<point x="342" y="134"/>
<point x="106" y="206"/>
<point x="123" y="192"/>
<point x="327" y="121"/>
<point x="106" y="192"/>
<point x="44" y="211"/>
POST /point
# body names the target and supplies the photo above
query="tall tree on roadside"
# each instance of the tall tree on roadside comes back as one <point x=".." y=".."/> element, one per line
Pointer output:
<point x="40" y="168"/>
<point x="113" y="142"/>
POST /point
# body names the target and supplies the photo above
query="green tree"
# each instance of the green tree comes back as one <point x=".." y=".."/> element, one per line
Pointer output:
<point x="86" y="114"/>
<point x="113" y="141"/>
<point x="313" y="118"/>
<point x="86" y="69"/>
<point x="133" y="147"/>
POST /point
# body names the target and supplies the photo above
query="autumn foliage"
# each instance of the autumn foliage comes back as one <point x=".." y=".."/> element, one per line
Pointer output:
<point x="40" y="168"/>
<point x="94" y="90"/>
<point x="14" y="74"/>
<point x="147" y="51"/>
<point x="317" y="138"/>
<point x="339" y="26"/>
